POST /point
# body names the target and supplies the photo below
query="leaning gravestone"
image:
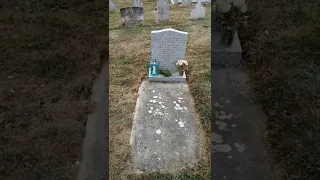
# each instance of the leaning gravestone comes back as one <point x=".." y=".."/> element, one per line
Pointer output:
<point x="137" y="3"/>
<point x="131" y="15"/>
<point x="198" y="11"/>
<point x="167" y="47"/>
<point x="112" y="7"/>
<point x="163" y="11"/>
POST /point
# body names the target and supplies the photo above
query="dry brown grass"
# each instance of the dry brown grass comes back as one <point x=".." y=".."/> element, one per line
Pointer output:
<point x="50" y="54"/>
<point x="129" y="59"/>
<point x="285" y="69"/>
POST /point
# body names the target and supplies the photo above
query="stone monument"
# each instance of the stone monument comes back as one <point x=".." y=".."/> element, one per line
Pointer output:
<point x="186" y="2"/>
<point x="112" y="7"/>
<point x="198" y="11"/>
<point x="163" y="11"/>
<point x="131" y="15"/>
<point x="167" y="47"/>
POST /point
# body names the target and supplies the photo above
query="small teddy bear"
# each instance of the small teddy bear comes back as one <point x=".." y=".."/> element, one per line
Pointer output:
<point x="182" y="66"/>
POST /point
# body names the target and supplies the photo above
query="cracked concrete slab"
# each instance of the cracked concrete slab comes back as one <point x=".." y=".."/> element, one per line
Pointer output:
<point x="238" y="148"/>
<point x="164" y="132"/>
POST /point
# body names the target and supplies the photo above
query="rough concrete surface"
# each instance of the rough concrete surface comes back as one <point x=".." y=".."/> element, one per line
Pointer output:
<point x="226" y="55"/>
<point x="163" y="136"/>
<point x="94" y="165"/>
<point x="238" y="148"/>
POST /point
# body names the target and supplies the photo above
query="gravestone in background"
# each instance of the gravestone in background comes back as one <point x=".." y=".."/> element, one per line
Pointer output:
<point x="186" y="2"/>
<point x="222" y="55"/>
<point x="131" y="15"/>
<point x="198" y="11"/>
<point x="163" y="11"/>
<point x="174" y="1"/>
<point x="137" y="3"/>
<point x="112" y="7"/>
<point x="167" y="47"/>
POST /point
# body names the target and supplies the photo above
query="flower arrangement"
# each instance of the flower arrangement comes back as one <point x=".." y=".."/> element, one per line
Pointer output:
<point x="182" y="66"/>
<point x="231" y="16"/>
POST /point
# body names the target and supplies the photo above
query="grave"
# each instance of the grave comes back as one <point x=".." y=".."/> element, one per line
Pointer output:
<point x="167" y="47"/>
<point x="131" y="15"/>
<point x="223" y="55"/>
<point x="163" y="11"/>
<point x="198" y="11"/>
<point x="164" y="132"/>
<point x="137" y="3"/>
<point x="112" y="7"/>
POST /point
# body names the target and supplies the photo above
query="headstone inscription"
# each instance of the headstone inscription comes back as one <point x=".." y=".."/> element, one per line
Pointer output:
<point x="163" y="11"/>
<point x="167" y="47"/>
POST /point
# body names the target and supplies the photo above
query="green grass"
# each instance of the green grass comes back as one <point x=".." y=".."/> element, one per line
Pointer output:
<point x="165" y="73"/>
<point x="285" y="70"/>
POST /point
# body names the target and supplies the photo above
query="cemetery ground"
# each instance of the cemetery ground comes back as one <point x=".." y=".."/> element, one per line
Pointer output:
<point x="281" y="49"/>
<point x="50" y="54"/>
<point x="130" y="52"/>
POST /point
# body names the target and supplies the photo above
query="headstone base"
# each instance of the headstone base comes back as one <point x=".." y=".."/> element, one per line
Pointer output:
<point x="174" y="78"/>
<point x="222" y="55"/>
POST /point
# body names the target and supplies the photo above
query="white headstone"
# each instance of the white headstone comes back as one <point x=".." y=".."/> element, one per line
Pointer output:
<point x="186" y="2"/>
<point x="206" y="1"/>
<point x="198" y="11"/>
<point x="137" y="3"/>
<point x="167" y="47"/>
<point x="163" y="11"/>
<point x="112" y="7"/>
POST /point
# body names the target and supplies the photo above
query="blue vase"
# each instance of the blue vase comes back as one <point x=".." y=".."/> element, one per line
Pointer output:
<point x="156" y="71"/>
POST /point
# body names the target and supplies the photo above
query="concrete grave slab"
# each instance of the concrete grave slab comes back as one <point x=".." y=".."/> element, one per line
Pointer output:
<point x="237" y="138"/>
<point x="167" y="47"/>
<point x="164" y="132"/>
